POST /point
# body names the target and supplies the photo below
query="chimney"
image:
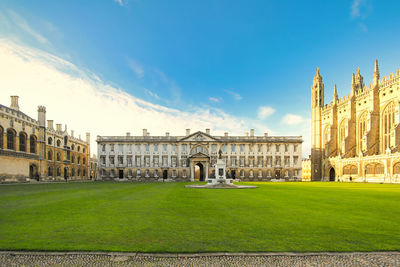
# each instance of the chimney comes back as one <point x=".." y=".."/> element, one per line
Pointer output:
<point x="72" y="133"/>
<point x="88" y="138"/>
<point x="144" y="132"/>
<point x="147" y="134"/>
<point x="128" y="134"/>
<point x="58" y="125"/>
<point x="41" y="116"/>
<point x="265" y="134"/>
<point x="187" y="132"/>
<point x="246" y="134"/>
<point x="226" y="134"/>
<point x="167" y="134"/>
<point x="14" y="102"/>
<point x="50" y="124"/>
<point x="251" y="132"/>
<point x="208" y="131"/>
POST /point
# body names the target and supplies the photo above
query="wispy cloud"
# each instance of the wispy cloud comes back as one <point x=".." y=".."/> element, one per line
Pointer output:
<point x="265" y="111"/>
<point x="100" y="108"/>
<point x="355" y="8"/>
<point x="360" y="9"/>
<point x="22" y="24"/>
<point x="152" y="94"/>
<point x="235" y="95"/>
<point x="292" y="119"/>
<point x="215" y="99"/>
<point x="136" y="67"/>
<point x="120" y="2"/>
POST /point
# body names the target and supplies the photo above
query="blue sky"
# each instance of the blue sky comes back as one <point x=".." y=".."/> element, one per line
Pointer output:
<point x="234" y="64"/>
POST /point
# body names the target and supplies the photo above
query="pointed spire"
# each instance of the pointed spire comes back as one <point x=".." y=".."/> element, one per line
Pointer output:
<point x="353" y="79"/>
<point x="335" y="96"/>
<point x="358" y="71"/>
<point x="376" y="73"/>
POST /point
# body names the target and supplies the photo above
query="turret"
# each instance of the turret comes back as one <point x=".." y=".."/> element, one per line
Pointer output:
<point x="42" y="116"/>
<point x="376" y="73"/>
<point x="317" y="90"/>
<point x="335" y="95"/>
<point x="14" y="102"/>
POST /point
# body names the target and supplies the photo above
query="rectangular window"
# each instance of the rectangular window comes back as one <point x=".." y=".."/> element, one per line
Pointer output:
<point x="241" y="162"/>
<point x="112" y="160"/>
<point x="165" y="161"/>
<point x="174" y="148"/>
<point x="286" y="148"/>
<point x="103" y="160"/>
<point x="295" y="148"/>
<point x="233" y="148"/>
<point x="268" y="147"/>
<point x="137" y="161"/>
<point x="138" y="147"/>
<point x="120" y="147"/>
<point x="112" y="147"/>
<point x="165" y="147"/>
<point x="129" y="161"/>
<point x="259" y="148"/>
<point x="233" y="161"/>
<point x="120" y="160"/>
<point x="214" y="148"/>
<point x="224" y="148"/>
<point x="147" y="161"/>
<point x="146" y="147"/>
<point x="241" y="148"/>
<point x="156" y="147"/>
<point x="184" y="147"/>
<point x="103" y="148"/>
<point x="173" y="162"/>
<point x="155" y="162"/>
<point x="277" y="148"/>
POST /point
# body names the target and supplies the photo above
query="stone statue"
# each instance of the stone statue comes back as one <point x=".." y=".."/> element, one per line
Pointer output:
<point x="220" y="154"/>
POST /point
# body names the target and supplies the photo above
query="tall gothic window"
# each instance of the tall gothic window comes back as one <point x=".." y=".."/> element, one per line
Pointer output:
<point x="32" y="144"/>
<point x="22" y="142"/>
<point x="387" y="124"/>
<point x="11" y="139"/>
<point x="342" y="135"/>
<point x="49" y="155"/>
<point x="362" y="129"/>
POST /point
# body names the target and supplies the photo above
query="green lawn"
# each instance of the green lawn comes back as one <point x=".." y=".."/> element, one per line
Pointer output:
<point x="166" y="217"/>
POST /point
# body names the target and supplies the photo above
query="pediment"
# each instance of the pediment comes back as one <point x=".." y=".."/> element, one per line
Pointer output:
<point x="199" y="137"/>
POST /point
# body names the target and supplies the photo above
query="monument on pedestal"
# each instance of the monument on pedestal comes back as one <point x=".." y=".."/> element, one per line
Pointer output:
<point x="219" y="180"/>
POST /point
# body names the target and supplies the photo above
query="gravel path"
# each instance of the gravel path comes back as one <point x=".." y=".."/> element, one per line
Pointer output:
<point x="222" y="259"/>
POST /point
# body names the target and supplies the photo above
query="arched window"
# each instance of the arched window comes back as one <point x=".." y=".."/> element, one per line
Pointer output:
<point x="65" y="140"/>
<point x="79" y="160"/>
<point x="79" y="148"/>
<point x="342" y="135"/>
<point x="83" y="173"/>
<point x="58" y="171"/>
<point x="72" y="172"/>
<point x="50" y="171"/>
<point x="73" y="159"/>
<point x="11" y="139"/>
<point x="73" y="147"/>
<point x="83" y="160"/>
<point x="1" y="137"/>
<point x="49" y="155"/>
<point x="350" y="170"/>
<point x="58" y="156"/>
<point x="387" y="124"/>
<point x="79" y="172"/>
<point x="32" y="144"/>
<point x="49" y="141"/>
<point x="396" y="169"/>
<point x="83" y="150"/>
<point x="58" y="142"/>
<point x="22" y="141"/>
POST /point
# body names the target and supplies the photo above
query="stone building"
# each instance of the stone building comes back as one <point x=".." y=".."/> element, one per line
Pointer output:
<point x="306" y="170"/>
<point x="357" y="137"/>
<point x="193" y="156"/>
<point x="34" y="149"/>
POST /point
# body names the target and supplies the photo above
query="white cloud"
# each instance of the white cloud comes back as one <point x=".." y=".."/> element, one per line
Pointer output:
<point x="355" y="8"/>
<point x="235" y="95"/>
<point x="292" y="119"/>
<point x="136" y="67"/>
<point x="152" y="94"/>
<point x="265" y="111"/>
<point x="87" y="104"/>
<point x="22" y="24"/>
<point x="119" y="2"/>
<point x="215" y="99"/>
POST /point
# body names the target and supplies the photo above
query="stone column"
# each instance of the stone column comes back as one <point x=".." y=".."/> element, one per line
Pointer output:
<point x="206" y="167"/>
<point x="191" y="171"/>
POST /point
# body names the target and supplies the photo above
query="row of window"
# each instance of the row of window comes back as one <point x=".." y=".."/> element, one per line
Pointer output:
<point x="74" y="173"/>
<point x="11" y="141"/>
<point x="284" y="161"/>
<point x="58" y="143"/>
<point x="233" y="148"/>
<point x="59" y="158"/>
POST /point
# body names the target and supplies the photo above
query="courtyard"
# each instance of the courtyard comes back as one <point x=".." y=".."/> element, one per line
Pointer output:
<point x="166" y="217"/>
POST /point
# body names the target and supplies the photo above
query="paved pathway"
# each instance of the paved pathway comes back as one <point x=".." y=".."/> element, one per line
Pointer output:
<point x="8" y="258"/>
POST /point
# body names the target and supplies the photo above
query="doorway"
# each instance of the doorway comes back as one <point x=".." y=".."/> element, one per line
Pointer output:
<point x="121" y="174"/>
<point x="277" y="174"/>
<point x="233" y="174"/>
<point x="199" y="172"/>
<point x="66" y="173"/>
<point x="165" y="174"/>
<point x="33" y="172"/>
<point x="332" y="175"/>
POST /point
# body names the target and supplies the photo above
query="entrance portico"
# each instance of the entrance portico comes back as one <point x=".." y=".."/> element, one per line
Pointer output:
<point x="203" y="162"/>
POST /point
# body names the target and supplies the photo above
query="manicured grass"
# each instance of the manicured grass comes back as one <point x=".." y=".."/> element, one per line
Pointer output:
<point x="166" y="217"/>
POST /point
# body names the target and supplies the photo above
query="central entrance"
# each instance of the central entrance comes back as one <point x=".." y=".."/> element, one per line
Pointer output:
<point x="332" y="175"/>
<point x="199" y="172"/>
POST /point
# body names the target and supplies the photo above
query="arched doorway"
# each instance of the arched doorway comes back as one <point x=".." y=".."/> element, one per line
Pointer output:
<point x="165" y="174"/>
<point x="277" y="174"/>
<point x="33" y="172"/>
<point x="66" y="173"/>
<point x="332" y="175"/>
<point x="199" y="172"/>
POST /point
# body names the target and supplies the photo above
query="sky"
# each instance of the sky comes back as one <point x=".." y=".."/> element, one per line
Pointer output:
<point x="115" y="66"/>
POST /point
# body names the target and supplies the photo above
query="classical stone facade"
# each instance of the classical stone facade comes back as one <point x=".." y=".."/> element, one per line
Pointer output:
<point x="193" y="156"/>
<point x="357" y="137"/>
<point x="30" y="149"/>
